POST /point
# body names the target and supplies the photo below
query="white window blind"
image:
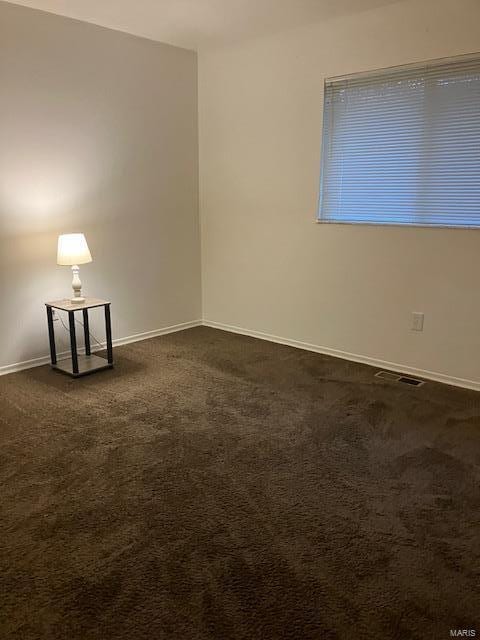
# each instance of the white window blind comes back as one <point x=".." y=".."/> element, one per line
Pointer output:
<point x="402" y="146"/>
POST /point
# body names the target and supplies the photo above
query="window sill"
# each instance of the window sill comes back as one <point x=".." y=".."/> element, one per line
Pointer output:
<point x="397" y="224"/>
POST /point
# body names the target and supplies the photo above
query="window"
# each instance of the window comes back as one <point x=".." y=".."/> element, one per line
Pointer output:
<point x="402" y="146"/>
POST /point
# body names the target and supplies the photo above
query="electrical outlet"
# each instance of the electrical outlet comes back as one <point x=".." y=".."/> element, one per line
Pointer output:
<point x="417" y="320"/>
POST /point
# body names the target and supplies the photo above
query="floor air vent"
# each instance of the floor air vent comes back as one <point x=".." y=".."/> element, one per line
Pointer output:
<point x="394" y="377"/>
<point x="414" y="382"/>
<point x="387" y="375"/>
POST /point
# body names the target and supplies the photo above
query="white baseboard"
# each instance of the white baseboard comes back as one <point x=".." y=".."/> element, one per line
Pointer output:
<point x="345" y="355"/>
<point x="157" y="332"/>
<point x="38" y="362"/>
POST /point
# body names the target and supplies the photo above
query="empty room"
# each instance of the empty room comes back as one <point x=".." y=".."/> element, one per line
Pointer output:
<point x="239" y="319"/>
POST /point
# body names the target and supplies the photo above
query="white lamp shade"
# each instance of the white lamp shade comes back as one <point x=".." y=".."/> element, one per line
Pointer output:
<point x="73" y="249"/>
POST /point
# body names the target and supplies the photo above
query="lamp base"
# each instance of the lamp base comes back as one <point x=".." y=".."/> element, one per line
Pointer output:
<point x="76" y="286"/>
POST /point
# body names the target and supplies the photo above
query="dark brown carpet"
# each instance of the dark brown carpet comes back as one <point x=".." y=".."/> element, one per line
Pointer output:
<point x="214" y="486"/>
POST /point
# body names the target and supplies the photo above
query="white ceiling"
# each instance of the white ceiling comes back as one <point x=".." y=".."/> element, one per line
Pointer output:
<point x="197" y="24"/>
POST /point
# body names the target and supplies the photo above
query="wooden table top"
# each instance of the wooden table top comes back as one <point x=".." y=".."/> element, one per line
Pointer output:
<point x="67" y="305"/>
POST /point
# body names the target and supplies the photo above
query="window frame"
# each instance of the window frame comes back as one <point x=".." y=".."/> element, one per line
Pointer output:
<point x="379" y="72"/>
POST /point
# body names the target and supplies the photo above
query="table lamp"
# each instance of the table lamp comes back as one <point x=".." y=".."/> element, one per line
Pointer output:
<point x="72" y="251"/>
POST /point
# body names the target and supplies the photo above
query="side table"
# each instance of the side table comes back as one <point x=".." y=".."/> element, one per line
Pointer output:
<point x="80" y="365"/>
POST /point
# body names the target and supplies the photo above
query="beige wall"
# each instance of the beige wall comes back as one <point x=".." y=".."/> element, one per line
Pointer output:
<point x="266" y="265"/>
<point x="98" y="133"/>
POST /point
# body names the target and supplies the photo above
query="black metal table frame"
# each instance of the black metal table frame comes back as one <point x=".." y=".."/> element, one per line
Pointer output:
<point x="76" y="373"/>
